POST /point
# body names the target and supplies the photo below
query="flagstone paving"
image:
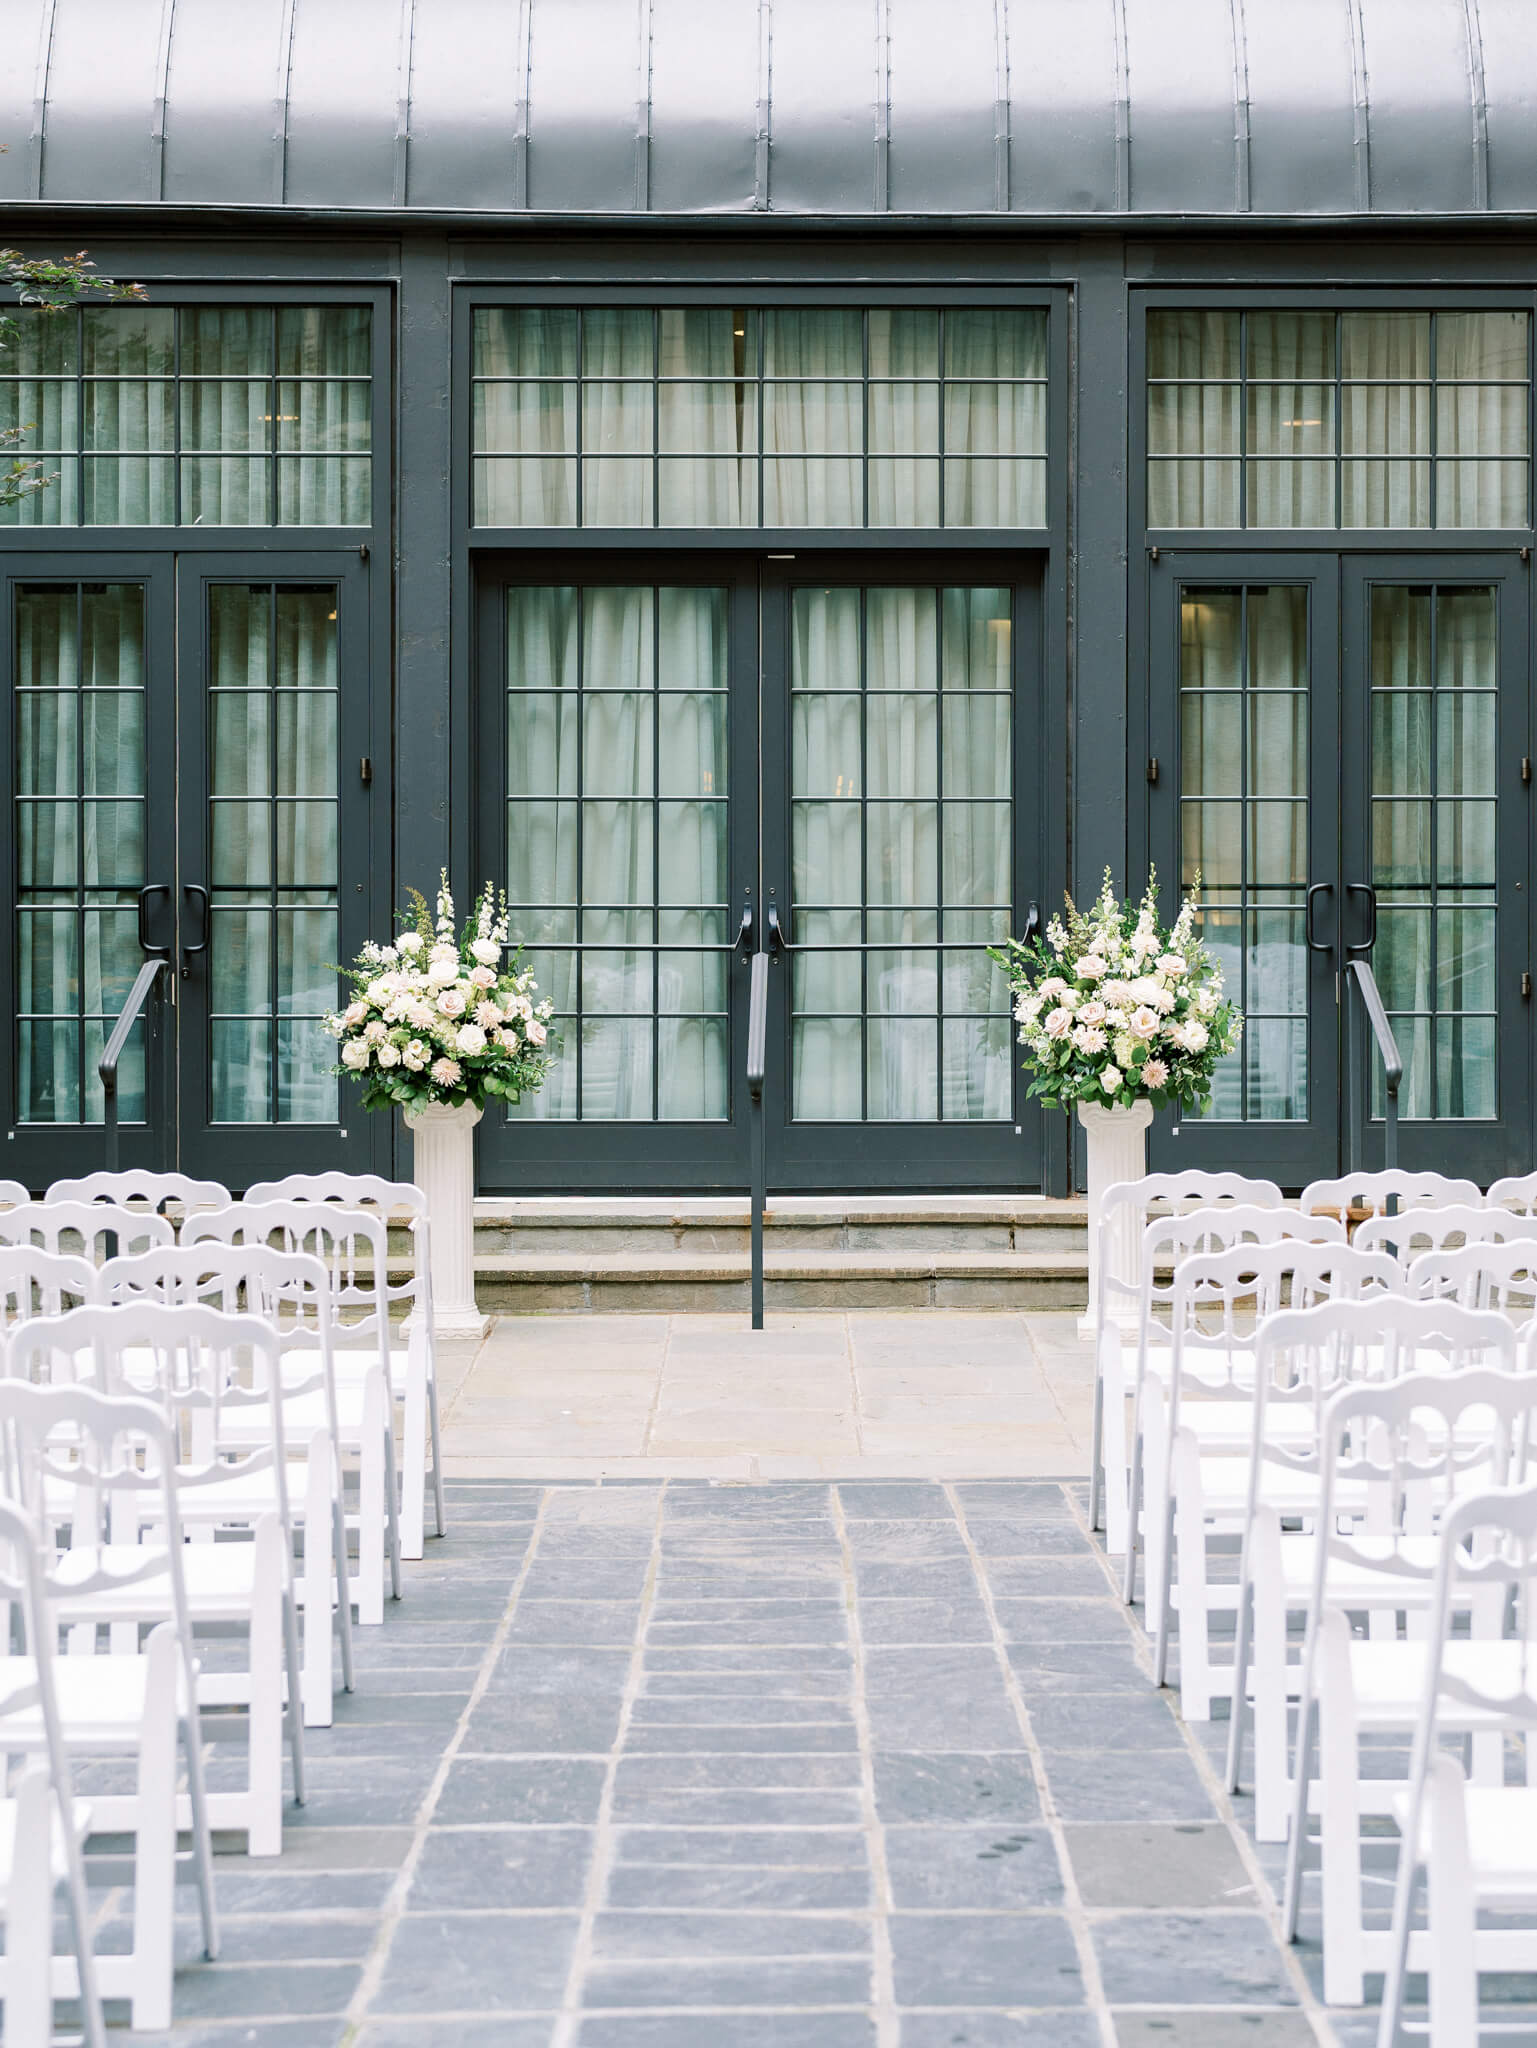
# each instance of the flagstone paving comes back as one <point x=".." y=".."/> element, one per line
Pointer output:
<point x="793" y="1765"/>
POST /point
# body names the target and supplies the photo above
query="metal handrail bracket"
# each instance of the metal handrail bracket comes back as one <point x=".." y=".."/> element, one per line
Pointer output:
<point x="144" y="982"/>
<point x="1359" y="972"/>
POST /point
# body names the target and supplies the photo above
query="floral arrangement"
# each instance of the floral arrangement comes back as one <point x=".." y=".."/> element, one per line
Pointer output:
<point x="436" y="1017"/>
<point x="1113" y="1009"/>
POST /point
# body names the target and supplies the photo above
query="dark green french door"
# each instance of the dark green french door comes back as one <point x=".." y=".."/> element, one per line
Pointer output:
<point x="1340" y="748"/>
<point x="853" y="762"/>
<point x="185" y="782"/>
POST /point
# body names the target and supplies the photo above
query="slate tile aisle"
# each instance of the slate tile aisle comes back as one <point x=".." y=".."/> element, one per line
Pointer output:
<point x="647" y="1765"/>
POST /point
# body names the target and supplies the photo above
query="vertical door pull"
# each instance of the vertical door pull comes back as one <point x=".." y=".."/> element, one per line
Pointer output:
<point x="199" y="945"/>
<point x="1364" y="889"/>
<point x="146" y="947"/>
<point x="1317" y="945"/>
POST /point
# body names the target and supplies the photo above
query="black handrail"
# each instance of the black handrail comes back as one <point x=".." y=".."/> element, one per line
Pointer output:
<point x="1360" y="973"/>
<point x="144" y="982"/>
<point x="757" y="1062"/>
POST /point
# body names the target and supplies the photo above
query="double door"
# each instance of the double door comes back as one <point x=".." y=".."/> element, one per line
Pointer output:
<point x="187" y="743"/>
<point x="1341" y="755"/>
<point x="842" y="767"/>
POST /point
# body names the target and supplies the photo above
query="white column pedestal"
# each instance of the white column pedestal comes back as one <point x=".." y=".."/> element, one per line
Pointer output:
<point x="445" y="1173"/>
<point x="1117" y="1148"/>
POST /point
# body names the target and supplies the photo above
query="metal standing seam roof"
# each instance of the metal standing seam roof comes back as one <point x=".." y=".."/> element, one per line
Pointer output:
<point x="1029" y="109"/>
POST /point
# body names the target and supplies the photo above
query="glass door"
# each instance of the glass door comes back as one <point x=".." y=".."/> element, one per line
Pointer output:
<point x="1436" y="851"/>
<point x="618" y="775"/>
<point x="87" y="656"/>
<point x="273" y="887"/>
<point x="1245" y="733"/>
<point x="902" y="773"/>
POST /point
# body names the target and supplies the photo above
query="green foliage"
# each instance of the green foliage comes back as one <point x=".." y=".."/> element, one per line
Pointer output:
<point x="53" y="285"/>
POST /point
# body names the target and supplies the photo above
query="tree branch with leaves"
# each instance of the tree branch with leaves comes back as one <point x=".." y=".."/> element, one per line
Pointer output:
<point x="51" y="285"/>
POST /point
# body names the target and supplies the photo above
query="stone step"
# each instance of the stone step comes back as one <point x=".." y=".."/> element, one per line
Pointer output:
<point x="563" y="1228"/>
<point x="694" y="1281"/>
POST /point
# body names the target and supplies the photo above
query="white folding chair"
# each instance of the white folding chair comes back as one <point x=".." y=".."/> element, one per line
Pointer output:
<point x="35" y="1282"/>
<point x="414" y="1375"/>
<point x="1306" y="1358"/>
<point x="89" y="1230"/>
<point x="1412" y="1233"/>
<point x="1486" y="1273"/>
<point x="1516" y="1192"/>
<point x="141" y="1706"/>
<point x="1362" y="1193"/>
<point x="1128" y="1208"/>
<point x="140" y="1185"/>
<point x="13" y="1195"/>
<point x="1415" y="1444"/>
<point x="1477" y="1844"/>
<point x="42" y="1829"/>
<point x="351" y="1245"/>
<point x="1167" y="1242"/>
<point x="1206" y="1443"/>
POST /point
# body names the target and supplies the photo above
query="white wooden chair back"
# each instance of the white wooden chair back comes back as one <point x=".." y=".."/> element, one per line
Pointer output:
<point x="35" y="1282"/>
<point x="1488" y="1554"/>
<point x="13" y="1195"/>
<point x="1414" y="1232"/>
<point x="1168" y="1241"/>
<point x="136" y="1184"/>
<point x="93" y="1230"/>
<point x="352" y="1244"/>
<point x="1495" y="1273"/>
<point x="1516" y="1192"/>
<point x="1375" y="1191"/>
<point x="374" y="1195"/>
<point x="23" y="1594"/>
<point x="1162" y="1197"/>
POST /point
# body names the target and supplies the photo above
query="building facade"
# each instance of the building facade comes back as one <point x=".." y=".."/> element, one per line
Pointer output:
<point x="836" y="474"/>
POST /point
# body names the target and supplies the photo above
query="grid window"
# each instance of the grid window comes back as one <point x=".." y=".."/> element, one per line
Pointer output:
<point x="616" y="822"/>
<point x="734" y="417"/>
<point x="79" y="806"/>
<point x="197" y="416"/>
<point x="1435" y="721"/>
<point x="1298" y="419"/>
<point x="901" y="807"/>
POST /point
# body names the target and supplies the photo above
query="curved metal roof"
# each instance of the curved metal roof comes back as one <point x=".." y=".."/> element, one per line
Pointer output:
<point x="1025" y="108"/>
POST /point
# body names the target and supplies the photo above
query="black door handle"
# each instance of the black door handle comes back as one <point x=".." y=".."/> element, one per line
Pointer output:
<point x="150" y="951"/>
<point x="1032" y="928"/>
<point x="1364" y="889"/>
<point x="200" y="945"/>
<point x="1317" y="945"/>
<point x="773" y="937"/>
<point x="744" y="933"/>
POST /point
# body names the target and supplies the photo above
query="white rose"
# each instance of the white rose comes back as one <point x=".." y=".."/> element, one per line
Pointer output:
<point x="378" y="992"/>
<point x="415" y="1055"/>
<point x="536" y="1034"/>
<point x="444" y="971"/>
<point x="471" y="1039"/>
<point x="354" y="1014"/>
<point x="451" y="1003"/>
<point x="1092" y="1012"/>
<point x="389" y="1055"/>
<point x="1143" y="1021"/>
<point x="1193" y="1035"/>
<point x="482" y="977"/>
<point x="1110" y="1080"/>
<point x="486" y="951"/>
<point x="355" y="1054"/>
<point x="1172" y="964"/>
<point x="409" y="943"/>
<point x="1057" y="1022"/>
<point x="1089" y="967"/>
<point x="508" y="1040"/>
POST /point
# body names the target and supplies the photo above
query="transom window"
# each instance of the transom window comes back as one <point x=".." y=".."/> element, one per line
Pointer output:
<point x="717" y="416"/>
<point x="193" y="416"/>
<point x="1338" y="419"/>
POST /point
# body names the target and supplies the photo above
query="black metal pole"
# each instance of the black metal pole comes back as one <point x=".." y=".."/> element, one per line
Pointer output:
<point x="757" y="1042"/>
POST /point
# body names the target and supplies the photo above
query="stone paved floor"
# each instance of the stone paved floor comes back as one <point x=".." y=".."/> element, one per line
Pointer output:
<point x="682" y="1765"/>
<point x="920" y="1393"/>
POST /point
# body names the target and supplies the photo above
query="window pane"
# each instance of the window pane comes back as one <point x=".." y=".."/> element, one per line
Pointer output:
<point x="524" y="341"/>
<point x="993" y="419"/>
<point x="1192" y="344"/>
<point x="1385" y="494"/>
<point x="226" y="341"/>
<point x="1482" y="345"/>
<point x="1481" y="494"/>
<point x="1386" y="419"/>
<point x="525" y="492"/>
<point x="324" y="341"/>
<point x="707" y="341"/>
<point x="1193" y="419"/>
<point x="128" y="341"/>
<point x="999" y="493"/>
<point x="1291" y="419"/>
<point x="996" y="342"/>
<point x="1390" y="345"/>
<point x="1197" y="494"/>
<point x="903" y="344"/>
<point x="828" y="342"/>
<point x="617" y="341"/>
<point x="1297" y="345"/>
<point x="1291" y="493"/>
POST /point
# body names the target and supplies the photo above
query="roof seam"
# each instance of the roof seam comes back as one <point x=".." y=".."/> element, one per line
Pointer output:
<point x="1241" y="165"/>
<point x="1122" y="110"/>
<point x="162" y="97"/>
<point x="1361" y="108"/>
<point x="37" y="139"/>
<point x="405" y="59"/>
<point x="280" y="102"/>
<point x="1478" y="86"/>
<point x="520" y="105"/>
<point x="1002" y="127"/>
<point x="763" y="113"/>
<point x="643" y="58"/>
<point x="882" y="106"/>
